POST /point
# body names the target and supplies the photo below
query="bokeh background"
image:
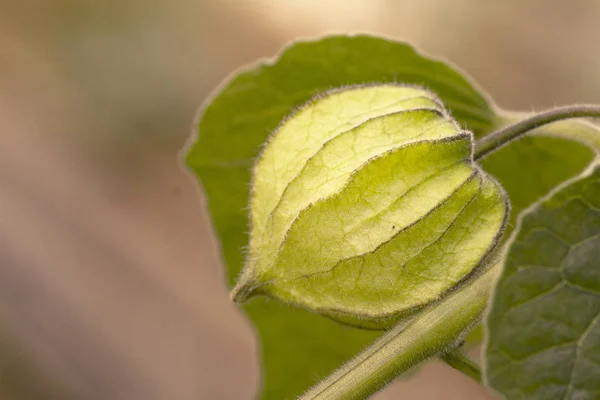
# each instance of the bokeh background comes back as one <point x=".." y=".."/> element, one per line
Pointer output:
<point x="110" y="282"/>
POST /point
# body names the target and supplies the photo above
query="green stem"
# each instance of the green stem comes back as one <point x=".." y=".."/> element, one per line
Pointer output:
<point x="429" y="334"/>
<point x="459" y="361"/>
<point x="498" y="139"/>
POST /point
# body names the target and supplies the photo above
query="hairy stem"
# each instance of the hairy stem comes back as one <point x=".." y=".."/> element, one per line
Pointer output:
<point x="403" y="347"/>
<point x="499" y="138"/>
<point x="462" y="363"/>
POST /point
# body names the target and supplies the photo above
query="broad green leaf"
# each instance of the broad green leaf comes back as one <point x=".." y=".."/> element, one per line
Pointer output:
<point x="544" y="324"/>
<point x="372" y="215"/>
<point x="299" y="347"/>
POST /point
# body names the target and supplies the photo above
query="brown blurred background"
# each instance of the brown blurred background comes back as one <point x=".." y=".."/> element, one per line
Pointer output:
<point x="110" y="282"/>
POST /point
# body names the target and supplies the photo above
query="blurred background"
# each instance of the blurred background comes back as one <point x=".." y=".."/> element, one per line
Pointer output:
<point x="110" y="281"/>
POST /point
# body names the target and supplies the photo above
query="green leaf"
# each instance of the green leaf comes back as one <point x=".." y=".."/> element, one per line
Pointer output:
<point x="544" y="324"/>
<point x="299" y="347"/>
<point x="352" y="184"/>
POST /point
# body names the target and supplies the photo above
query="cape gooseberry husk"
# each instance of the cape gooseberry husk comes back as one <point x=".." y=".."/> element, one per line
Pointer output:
<point x="367" y="206"/>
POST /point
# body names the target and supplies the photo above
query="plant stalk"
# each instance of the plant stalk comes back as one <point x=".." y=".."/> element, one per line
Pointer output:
<point x="496" y="140"/>
<point x="462" y="363"/>
<point x="405" y="346"/>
